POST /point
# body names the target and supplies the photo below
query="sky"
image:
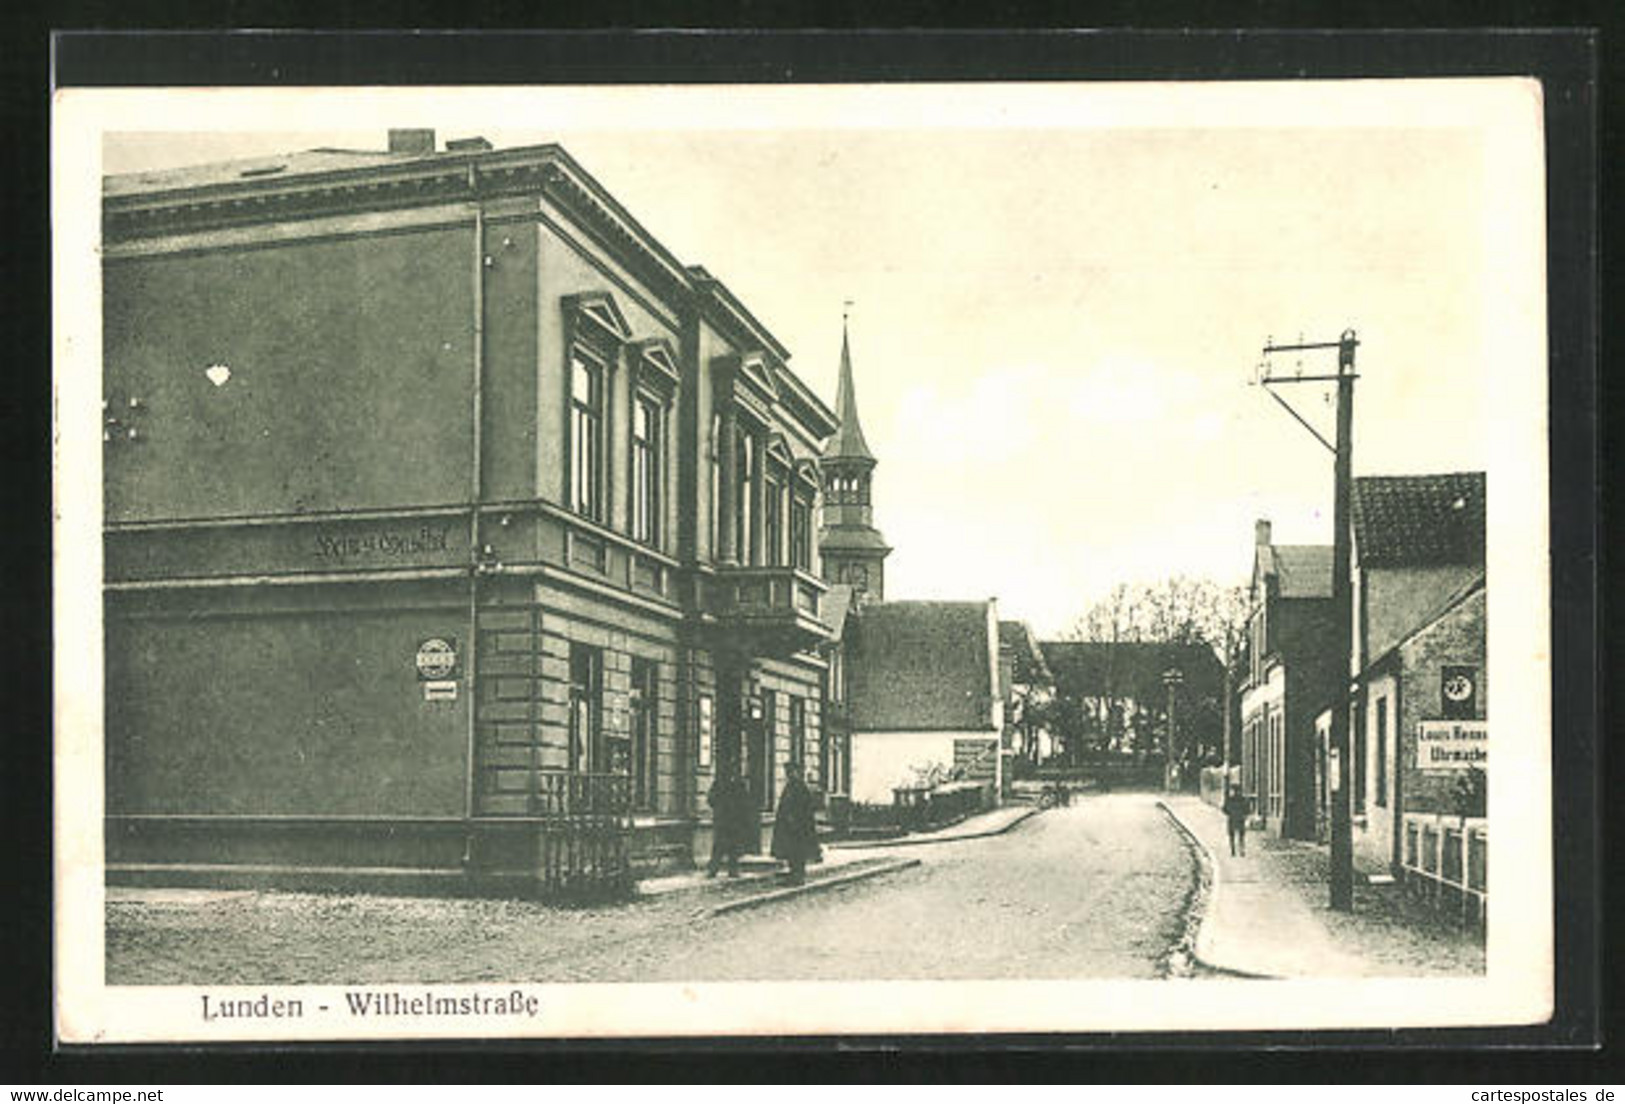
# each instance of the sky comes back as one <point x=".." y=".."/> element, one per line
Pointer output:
<point x="1057" y="317"/>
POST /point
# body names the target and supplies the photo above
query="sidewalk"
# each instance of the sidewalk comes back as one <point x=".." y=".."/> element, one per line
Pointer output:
<point x="844" y="861"/>
<point x="991" y="823"/>
<point x="757" y="873"/>
<point x="1258" y="923"/>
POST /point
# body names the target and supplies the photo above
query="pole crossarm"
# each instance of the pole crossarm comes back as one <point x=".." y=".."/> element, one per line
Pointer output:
<point x="1303" y="345"/>
<point x="1267" y="380"/>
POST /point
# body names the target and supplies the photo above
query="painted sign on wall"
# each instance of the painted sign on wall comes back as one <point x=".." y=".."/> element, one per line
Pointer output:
<point x="1452" y="745"/>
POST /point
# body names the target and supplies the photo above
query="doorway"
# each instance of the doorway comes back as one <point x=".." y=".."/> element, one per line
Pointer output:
<point x="759" y="725"/>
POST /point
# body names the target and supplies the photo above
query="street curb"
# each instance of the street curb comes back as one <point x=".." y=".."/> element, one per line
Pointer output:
<point x="1215" y="882"/>
<point x="813" y="887"/>
<point x="904" y="841"/>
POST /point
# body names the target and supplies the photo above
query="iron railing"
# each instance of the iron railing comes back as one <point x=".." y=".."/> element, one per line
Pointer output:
<point x="586" y="834"/>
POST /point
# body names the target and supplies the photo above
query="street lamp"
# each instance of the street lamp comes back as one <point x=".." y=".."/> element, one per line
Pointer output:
<point x="1172" y="678"/>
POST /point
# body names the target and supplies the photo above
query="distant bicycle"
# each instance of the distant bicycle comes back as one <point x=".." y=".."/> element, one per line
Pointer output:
<point x="1054" y="794"/>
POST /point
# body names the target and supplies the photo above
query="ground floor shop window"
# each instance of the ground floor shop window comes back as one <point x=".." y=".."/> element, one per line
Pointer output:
<point x="704" y="729"/>
<point x="833" y="770"/>
<point x="587" y="752"/>
<point x="761" y="725"/>
<point x="645" y="699"/>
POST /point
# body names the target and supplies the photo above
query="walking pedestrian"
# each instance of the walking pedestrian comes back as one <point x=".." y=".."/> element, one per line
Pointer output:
<point x="1235" y="818"/>
<point x="730" y="814"/>
<point x="795" y="830"/>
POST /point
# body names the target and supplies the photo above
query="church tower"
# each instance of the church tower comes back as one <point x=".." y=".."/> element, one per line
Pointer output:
<point x="853" y="550"/>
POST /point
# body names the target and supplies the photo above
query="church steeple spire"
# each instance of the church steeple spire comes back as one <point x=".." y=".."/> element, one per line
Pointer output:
<point x="853" y="550"/>
<point x="848" y="442"/>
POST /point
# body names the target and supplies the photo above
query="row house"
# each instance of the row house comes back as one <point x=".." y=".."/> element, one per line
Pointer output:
<point x="1418" y="715"/>
<point x="444" y="507"/>
<point x="1289" y="674"/>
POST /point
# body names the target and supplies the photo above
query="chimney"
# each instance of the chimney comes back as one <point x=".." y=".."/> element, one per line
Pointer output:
<point x="1261" y="532"/>
<point x="467" y="145"/>
<point x="413" y="141"/>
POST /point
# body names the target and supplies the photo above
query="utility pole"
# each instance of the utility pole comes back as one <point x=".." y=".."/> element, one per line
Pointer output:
<point x="1339" y="766"/>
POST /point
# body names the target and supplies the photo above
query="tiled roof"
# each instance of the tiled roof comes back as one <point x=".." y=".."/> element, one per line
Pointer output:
<point x="1017" y="637"/>
<point x="1416" y="520"/>
<point x="921" y="667"/>
<point x="1131" y="669"/>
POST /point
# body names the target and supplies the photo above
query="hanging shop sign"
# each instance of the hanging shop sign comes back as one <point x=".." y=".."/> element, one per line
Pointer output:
<point x="437" y="659"/>
<point x="1452" y="745"/>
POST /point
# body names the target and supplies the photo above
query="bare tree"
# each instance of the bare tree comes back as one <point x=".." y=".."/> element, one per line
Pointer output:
<point x="1179" y="610"/>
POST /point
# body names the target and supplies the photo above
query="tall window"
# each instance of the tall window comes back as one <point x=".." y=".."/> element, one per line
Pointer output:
<point x="768" y="775"/>
<point x="834" y="767"/>
<point x="773" y="519"/>
<point x="586" y="713"/>
<point x="586" y="436"/>
<point x="1382" y="752"/>
<point x="645" y="699"/>
<point x="1357" y="725"/>
<point x="704" y="728"/>
<point x="716" y="485"/>
<point x="798" y="732"/>
<point x="801" y="530"/>
<point x="646" y="470"/>
<point x="745" y="476"/>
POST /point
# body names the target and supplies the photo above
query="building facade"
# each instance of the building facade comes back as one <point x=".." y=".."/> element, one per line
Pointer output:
<point x="1289" y="676"/>
<point x="1417" y="575"/>
<point x="923" y="695"/>
<point x="442" y="505"/>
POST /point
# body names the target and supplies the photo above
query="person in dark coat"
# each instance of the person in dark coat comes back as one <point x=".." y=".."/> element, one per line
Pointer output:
<point x="1235" y="818"/>
<point x="795" y="829"/>
<point x="731" y="813"/>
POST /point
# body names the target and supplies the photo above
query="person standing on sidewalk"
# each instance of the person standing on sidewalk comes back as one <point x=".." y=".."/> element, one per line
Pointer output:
<point x="795" y="830"/>
<point x="730" y="815"/>
<point x="1235" y="819"/>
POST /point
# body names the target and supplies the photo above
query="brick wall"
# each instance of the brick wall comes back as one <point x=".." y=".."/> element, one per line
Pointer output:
<point x="1457" y="638"/>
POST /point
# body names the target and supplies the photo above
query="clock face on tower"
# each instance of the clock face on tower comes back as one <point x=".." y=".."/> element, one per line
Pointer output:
<point x="857" y="575"/>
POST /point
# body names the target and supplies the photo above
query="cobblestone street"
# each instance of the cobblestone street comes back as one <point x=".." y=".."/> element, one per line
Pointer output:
<point x="1094" y="890"/>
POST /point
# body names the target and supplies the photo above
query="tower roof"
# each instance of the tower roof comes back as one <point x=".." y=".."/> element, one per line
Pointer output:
<point x="848" y="442"/>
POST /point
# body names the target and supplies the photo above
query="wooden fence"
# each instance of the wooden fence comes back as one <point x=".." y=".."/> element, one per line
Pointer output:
<point x="1446" y="859"/>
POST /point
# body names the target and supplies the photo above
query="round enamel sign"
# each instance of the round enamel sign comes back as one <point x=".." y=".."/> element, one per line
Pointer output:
<point x="436" y="659"/>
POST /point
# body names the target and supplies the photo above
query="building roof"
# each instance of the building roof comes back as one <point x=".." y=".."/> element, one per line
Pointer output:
<point x="837" y="604"/>
<point x="1017" y="638"/>
<point x="1419" y="520"/>
<point x="282" y="166"/>
<point x="922" y="667"/>
<point x="1473" y="588"/>
<point x="848" y="538"/>
<point x="1090" y="668"/>
<point x="1301" y="570"/>
<point x="848" y="442"/>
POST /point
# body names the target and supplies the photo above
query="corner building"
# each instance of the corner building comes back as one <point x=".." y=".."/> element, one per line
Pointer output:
<point x="444" y="510"/>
